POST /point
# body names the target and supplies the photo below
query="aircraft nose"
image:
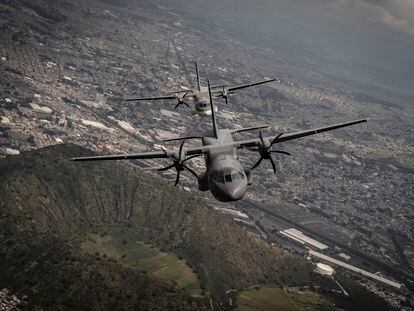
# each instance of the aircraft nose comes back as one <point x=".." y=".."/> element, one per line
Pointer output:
<point x="227" y="192"/>
<point x="236" y="193"/>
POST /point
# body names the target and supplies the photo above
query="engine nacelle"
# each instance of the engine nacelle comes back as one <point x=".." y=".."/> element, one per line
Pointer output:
<point x="249" y="176"/>
<point x="203" y="182"/>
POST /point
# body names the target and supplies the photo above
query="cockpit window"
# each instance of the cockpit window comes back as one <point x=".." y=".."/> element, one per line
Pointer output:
<point x="229" y="177"/>
<point x="219" y="179"/>
<point x="235" y="177"/>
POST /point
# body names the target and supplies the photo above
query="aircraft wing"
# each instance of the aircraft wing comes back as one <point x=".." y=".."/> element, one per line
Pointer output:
<point x="218" y="86"/>
<point x="255" y="142"/>
<point x="239" y="87"/>
<point x="130" y="156"/>
<point x="143" y="155"/>
<point x="205" y="149"/>
<point x="149" y="98"/>
<point x="246" y="129"/>
<point x="295" y="135"/>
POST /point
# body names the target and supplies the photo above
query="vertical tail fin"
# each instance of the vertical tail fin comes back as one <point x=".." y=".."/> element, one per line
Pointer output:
<point x="213" y="115"/>
<point x="198" y="77"/>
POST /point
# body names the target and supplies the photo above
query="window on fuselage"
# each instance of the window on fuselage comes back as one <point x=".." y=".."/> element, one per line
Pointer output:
<point x="229" y="177"/>
<point x="235" y="177"/>
<point x="219" y="179"/>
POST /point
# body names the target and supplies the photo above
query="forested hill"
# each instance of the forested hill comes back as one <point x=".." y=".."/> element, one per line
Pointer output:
<point x="48" y="203"/>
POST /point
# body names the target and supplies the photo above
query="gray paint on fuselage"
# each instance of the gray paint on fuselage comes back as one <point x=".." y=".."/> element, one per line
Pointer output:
<point x="226" y="176"/>
<point x="201" y="100"/>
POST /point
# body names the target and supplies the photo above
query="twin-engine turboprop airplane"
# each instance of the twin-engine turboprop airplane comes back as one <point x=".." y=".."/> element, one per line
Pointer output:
<point x="224" y="176"/>
<point x="199" y="95"/>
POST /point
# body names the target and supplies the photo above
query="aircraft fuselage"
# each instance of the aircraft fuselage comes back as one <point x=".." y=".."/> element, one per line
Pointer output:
<point x="201" y="103"/>
<point x="226" y="176"/>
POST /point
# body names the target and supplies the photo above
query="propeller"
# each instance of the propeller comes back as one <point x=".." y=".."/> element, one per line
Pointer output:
<point x="178" y="162"/>
<point x="225" y="93"/>
<point x="264" y="149"/>
<point x="180" y="99"/>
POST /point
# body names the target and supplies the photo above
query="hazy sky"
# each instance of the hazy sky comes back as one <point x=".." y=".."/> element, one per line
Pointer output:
<point x="397" y="15"/>
<point x="372" y="38"/>
<point x="392" y="15"/>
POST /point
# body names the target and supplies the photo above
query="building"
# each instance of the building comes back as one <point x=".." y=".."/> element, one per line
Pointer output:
<point x="324" y="269"/>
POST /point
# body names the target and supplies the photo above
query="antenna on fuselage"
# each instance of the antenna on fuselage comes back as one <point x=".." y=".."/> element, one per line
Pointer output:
<point x="198" y="77"/>
<point x="213" y="115"/>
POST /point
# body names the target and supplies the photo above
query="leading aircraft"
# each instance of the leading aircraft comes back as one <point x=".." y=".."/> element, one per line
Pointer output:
<point x="199" y="95"/>
<point x="224" y="176"/>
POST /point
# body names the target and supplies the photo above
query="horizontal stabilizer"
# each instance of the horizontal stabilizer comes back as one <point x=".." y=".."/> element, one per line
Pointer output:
<point x="179" y="91"/>
<point x="182" y="138"/>
<point x="245" y="129"/>
<point x="149" y="98"/>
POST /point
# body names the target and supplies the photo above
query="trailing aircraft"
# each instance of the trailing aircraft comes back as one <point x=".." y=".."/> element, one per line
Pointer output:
<point x="199" y="95"/>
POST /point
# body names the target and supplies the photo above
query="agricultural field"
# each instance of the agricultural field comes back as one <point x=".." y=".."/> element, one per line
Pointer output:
<point x="122" y="245"/>
<point x="280" y="299"/>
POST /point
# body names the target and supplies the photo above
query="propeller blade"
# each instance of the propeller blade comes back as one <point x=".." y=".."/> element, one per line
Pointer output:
<point x="177" y="179"/>
<point x="166" y="153"/>
<point x="190" y="170"/>
<point x="166" y="168"/>
<point x="280" y="151"/>
<point x="181" y="102"/>
<point x="257" y="163"/>
<point x="276" y="138"/>
<point x="273" y="165"/>
<point x="180" y="150"/>
<point x="225" y="99"/>
<point x="252" y="149"/>
<point x="261" y="137"/>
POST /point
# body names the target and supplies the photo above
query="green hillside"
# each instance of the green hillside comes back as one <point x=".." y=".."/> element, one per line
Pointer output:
<point x="273" y="298"/>
<point x="61" y="227"/>
<point x="123" y="245"/>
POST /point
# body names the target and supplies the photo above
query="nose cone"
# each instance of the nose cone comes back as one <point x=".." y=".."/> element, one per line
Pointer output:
<point x="236" y="194"/>
<point x="230" y="192"/>
<point x="204" y="113"/>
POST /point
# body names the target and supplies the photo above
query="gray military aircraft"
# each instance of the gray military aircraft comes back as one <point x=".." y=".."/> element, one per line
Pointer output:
<point x="224" y="176"/>
<point x="199" y="95"/>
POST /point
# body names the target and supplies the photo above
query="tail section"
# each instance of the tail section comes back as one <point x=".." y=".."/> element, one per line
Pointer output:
<point x="213" y="114"/>
<point x="198" y="77"/>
